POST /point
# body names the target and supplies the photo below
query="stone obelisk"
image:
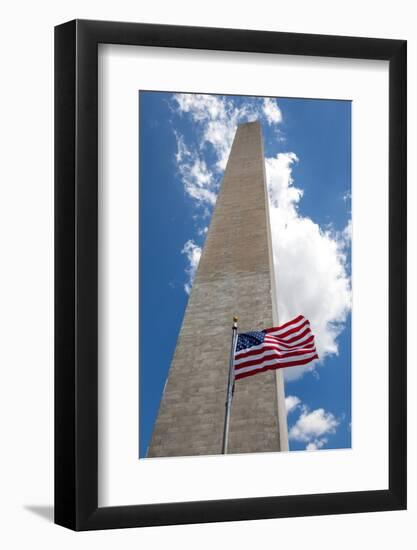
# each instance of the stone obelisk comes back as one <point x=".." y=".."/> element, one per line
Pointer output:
<point x="235" y="276"/>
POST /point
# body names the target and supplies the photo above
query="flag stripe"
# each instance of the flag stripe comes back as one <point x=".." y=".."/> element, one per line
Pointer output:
<point x="275" y="356"/>
<point x="292" y="331"/>
<point x="273" y="352"/>
<point x="273" y="366"/>
<point x="309" y="338"/>
<point x="285" y="325"/>
<point x="298" y="336"/>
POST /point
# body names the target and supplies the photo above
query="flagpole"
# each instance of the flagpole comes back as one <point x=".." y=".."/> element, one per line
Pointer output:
<point x="230" y="387"/>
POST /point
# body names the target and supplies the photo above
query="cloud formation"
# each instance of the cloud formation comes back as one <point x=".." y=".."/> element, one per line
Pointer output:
<point x="316" y="444"/>
<point x="216" y="119"/>
<point x="197" y="179"/>
<point x="193" y="254"/>
<point x="312" y="427"/>
<point x="291" y="403"/>
<point x="271" y="111"/>
<point x="310" y="263"/>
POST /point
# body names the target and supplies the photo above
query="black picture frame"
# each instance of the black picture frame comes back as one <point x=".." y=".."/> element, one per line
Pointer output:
<point x="76" y="274"/>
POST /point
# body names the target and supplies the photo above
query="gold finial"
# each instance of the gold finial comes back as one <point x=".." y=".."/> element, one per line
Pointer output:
<point x="235" y="319"/>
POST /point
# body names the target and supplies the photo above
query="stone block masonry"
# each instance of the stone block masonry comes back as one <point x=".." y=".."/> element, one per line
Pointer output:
<point x="234" y="277"/>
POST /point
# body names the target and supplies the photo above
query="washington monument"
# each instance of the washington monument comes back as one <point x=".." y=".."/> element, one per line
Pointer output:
<point x="235" y="276"/>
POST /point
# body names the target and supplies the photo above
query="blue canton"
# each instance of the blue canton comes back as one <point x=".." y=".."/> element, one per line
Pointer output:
<point x="249" y="339"/>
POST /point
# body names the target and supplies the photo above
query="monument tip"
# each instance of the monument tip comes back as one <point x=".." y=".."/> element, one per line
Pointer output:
<point x="249" y="123"/>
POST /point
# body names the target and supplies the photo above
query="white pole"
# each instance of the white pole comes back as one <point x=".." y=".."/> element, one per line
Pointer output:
<point x="230" y="386"/>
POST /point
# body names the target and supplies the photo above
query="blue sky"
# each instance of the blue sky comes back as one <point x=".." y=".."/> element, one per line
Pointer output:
<point x="184" y="145"/>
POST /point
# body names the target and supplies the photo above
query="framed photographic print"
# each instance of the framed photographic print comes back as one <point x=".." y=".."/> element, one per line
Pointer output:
<point x="230" y="252"/>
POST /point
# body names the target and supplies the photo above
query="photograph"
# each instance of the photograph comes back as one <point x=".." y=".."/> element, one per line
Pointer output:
<point x="208" y="234"/>
<point x="245" y="286"/>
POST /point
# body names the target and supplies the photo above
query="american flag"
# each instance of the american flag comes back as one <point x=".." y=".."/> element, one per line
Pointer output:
<point x="289" y="345"/>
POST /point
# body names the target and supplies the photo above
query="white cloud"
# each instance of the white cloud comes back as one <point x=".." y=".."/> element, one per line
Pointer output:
<point x="193" y="253"/>
<point x="310" y="263"/>
<point x="271" y="111"/>
<point x="291" y="403"/>
<point x="347" y="232"/>
<point x="182" y="150"/>
<point x="202" y="107"/>
<point x="311" y="426"/>
<point x="316" y="444"/>
<point x="282" y="192"/>
<point x="217" y="118"/>
<point x="199" y="182"/>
